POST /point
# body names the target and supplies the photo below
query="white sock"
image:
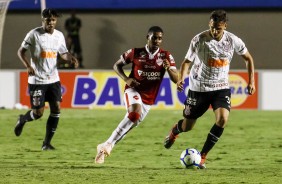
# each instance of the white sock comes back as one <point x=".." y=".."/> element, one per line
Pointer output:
<point x="123" y="127"/>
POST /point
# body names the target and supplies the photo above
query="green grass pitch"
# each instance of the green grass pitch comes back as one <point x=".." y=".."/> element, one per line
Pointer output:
<point x="249" y="151"/>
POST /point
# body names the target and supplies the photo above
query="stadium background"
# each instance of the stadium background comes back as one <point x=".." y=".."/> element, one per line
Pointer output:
<point x="110" y="27"/>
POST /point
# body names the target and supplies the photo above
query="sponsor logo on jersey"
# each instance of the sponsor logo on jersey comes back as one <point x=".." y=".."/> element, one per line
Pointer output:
<point x="150" y="75"/>
<point x="218" y="63"/>
<point x="48" y="54"/>
<point x="150" y="66"/>
<point x="216" y="85"/>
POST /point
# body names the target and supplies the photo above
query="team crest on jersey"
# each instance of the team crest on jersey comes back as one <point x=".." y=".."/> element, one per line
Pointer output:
<point x="159" y="61"/>
<point x="226" y="46"/>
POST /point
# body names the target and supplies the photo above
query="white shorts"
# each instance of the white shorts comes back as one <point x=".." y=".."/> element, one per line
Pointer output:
<point x="131" y="96"/>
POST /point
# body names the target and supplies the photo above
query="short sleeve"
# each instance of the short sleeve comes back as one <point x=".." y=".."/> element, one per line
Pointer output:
<point x="193" y="49"/>
<point x="62" y="49"/>
<point x="239" y="46"/>
<point x="127" y="57"/>
<point x="28" y="40"/>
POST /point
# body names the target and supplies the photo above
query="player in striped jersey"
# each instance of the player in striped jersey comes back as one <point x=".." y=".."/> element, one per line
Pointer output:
<point x="211" y="52"/>
<point x="45" y="43"/>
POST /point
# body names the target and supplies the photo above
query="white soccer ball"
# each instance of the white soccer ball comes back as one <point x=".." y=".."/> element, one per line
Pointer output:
<point x="190" y="158"/>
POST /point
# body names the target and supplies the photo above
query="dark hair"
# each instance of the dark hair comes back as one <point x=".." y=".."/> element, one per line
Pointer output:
<point x="46" y="13"/>
<point x="154" y="29"/>
<point x="219" y="16"/>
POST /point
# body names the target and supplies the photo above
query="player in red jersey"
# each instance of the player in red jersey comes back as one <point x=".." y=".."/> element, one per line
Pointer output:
<point x="149" y="65"/>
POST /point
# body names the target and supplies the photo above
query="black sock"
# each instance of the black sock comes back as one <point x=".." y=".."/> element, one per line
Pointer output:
<point x="178" y="128"/>
<point x="51" y="127"/>
<point x="212" y="139"/>
<point x="30" y="116"/>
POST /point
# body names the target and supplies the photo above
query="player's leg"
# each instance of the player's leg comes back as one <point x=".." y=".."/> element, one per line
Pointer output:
<point x="54" y="97"/>
<point x="196" y="105"/>
<point x="183" y="125"/>
<point x="221" y="107"/>
<point x="37" y="101"/>
<point x="51" y="125"/>
<point x="133" y="104"/>
<point x="144" y="112"/>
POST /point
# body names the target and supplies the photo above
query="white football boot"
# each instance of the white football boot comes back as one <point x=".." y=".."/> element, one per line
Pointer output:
<point x="103" y="150"/>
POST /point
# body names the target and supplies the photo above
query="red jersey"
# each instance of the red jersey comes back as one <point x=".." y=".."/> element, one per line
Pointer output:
<point x="148" y="70"/>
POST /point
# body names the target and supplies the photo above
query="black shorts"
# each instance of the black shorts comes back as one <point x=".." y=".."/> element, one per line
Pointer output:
<point x="197" y="103"/>
<point x="39" y="94"/>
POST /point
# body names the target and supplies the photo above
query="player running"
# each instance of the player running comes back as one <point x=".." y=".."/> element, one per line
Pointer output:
<point x="149" y="65"/>
<point x="210" y="52"/>
<point x="44" y="44"/>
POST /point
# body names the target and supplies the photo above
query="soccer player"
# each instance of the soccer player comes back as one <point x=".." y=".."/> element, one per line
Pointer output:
<point x="210" y="52"/>
<point x="149" y="65"/>
<point x="44" y="44"/>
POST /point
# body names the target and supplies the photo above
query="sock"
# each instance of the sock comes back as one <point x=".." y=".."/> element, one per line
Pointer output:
<point x="178" y="128"/>
<point x="30" y="116"/>
<point x="51" y="127"/>
<point x="122" y="129"/>
<point x="212" y="139"/>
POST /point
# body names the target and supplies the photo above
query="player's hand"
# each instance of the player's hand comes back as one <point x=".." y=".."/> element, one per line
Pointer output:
<point x="30" y="71"/>
<point x="131" y="82"/>
<point x="251" y="89"/>
<point x="74" y="61"/>
<point x="180" y="85"/>
<point x="166" y="64"/>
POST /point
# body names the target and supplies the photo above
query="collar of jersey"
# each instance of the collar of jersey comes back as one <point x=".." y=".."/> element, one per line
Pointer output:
<point x="151" y="55"/>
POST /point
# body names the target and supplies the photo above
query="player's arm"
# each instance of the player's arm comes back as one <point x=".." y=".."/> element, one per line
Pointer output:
<point x="118" y="68"/>
<point x="251" y="72"/>
<point x="69" y="58"/>
<point x="184" y="68"/>
<point x="172" y="72"/>
<point x="22" y="56"/>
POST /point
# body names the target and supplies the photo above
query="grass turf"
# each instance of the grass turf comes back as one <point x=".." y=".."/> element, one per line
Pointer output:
<point x="249" y="150"/>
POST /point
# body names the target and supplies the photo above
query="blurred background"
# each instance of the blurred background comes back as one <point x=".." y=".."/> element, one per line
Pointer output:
<point x="110" y="27"/>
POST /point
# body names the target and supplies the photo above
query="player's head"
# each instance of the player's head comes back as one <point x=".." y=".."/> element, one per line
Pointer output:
<point x="218" y="23"/>
<point x="154" y="37"/>
<point x="49" y="19"/>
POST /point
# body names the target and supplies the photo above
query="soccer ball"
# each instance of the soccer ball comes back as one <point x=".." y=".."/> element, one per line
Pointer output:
<point x="190" y="158"/>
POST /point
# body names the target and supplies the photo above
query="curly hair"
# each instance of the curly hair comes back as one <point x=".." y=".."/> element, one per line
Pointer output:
<point x="46" y="13"/>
